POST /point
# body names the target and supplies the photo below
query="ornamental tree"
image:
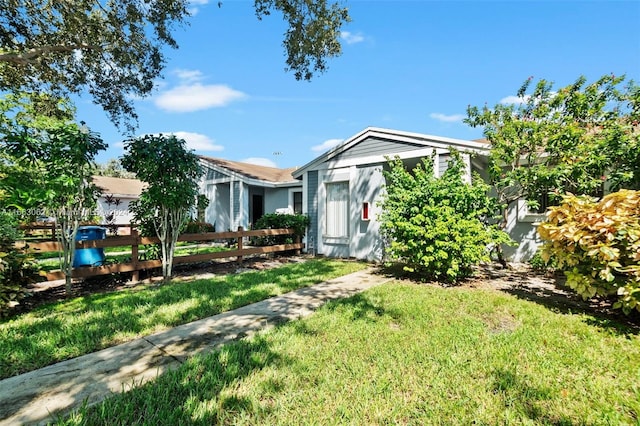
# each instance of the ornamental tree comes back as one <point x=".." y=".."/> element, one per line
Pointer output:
<point x="114" y="50"/>
<point x="171" y="174"/>
<point x="577" y="139"/>
<point x="50" y="168"/>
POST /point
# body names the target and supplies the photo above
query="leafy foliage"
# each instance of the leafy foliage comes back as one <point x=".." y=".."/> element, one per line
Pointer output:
<point x="114" y="50"/>
<point x="113" y="168"/>
<point x="313" y="33"/>
<point x="17" y="267"/>
<point x="171" y="173"/>
<point x="195" y="227"/>
<point x="50" y="167"/>
<point x="297" y="222"/>
<point x="597" y="244"/>
<point x="574" y="139"/>
<point x="438" y="227"/>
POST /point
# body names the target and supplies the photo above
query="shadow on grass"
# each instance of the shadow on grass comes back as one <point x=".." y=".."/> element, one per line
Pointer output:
<point x="524" y="399"/>
<point x="207" y="389"/>
<point x="550" y="292"/>
<point x="200" y="392"/>
<point x="98" y="321"/>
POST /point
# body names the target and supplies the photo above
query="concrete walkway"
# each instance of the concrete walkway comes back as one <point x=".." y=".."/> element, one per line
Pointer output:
<point x="35" y="397"/>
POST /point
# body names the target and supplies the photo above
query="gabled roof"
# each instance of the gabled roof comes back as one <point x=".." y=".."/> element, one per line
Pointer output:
<point x="253" y="171"/>
<point x="119" y="187"/>
<point x="417" y="139"/>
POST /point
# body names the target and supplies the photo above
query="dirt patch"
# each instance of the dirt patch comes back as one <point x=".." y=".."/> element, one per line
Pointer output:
<point x="549" y="290"/>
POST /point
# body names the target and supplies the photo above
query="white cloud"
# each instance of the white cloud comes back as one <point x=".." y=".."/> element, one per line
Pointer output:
<point x="258" y="161"/>
<point x="193" y="6"/>
<point x="196" y="97"/>
<point x="517" y="100"/>
<point x="188" y="76"/>
<point x="198" y="141"/>
<point x="351" y="38"/>
<point x="446" y="118"/>
<point x="328" y="144"/>
<point x="195" y="141"/>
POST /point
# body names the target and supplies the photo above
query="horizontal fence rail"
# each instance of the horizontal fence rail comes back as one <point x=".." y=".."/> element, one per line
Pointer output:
<point x="134" y="241"/>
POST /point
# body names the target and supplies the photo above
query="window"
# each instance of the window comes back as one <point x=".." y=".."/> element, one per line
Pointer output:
<point x="337" y="209"/>
<point x="297" y="202"/>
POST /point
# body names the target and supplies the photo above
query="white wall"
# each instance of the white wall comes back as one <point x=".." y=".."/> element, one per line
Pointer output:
<point x="521" y="227"/>
<point x="276" y="198"/>
<point x="218" y="211"/>
<point x="122" y="215"/>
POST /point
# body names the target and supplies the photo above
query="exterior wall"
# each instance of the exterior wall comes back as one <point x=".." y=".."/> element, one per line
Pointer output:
<point x="332" y="247"/>
<point x="310" y="205"/>
<point x="367" y="186"/>
<point x="217" y="213"/>
<point x="521" y="227"/>
<point x="376" y="146"/>
<point x="240" y="205"/>
<point x="275" y="198"/>
<point x="122" y="214"/>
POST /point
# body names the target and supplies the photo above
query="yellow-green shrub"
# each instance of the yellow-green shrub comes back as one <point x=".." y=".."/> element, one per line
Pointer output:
<point x="597" y="245"/>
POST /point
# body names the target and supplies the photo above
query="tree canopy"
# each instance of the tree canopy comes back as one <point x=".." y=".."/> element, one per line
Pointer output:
<point x="574" y="139"/>
<point x="114" y="50"/>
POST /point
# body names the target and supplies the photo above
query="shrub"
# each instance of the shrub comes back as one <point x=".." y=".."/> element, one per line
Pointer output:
<point x="196" y="227"/>
<point x="597" y="245"/>
<point x="298" y="222"/>
<point x="438" y="227"/>
<point x="17" y="266"/>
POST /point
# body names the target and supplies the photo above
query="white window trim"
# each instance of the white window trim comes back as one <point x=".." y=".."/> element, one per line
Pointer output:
<point x="290" y="199"/>
<point x="337" y="239"/>
<point x="526" y="216"/>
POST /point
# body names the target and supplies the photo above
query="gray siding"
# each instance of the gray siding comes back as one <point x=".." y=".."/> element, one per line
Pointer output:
<point x="236" y="203"/>
<point x="277" y="198"/>
<point x="312" y="210"/>
<point x="214" y="174"/>
<point x="377" y="146"/>
<point x="443" y="163"/>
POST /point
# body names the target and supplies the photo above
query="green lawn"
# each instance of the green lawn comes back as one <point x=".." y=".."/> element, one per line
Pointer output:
<point x="82" y="325"/>
<point x="404" y="354"/>
<point x="51" y="263"/>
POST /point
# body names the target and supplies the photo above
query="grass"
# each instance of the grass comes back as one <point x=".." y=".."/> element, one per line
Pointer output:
<point x="403" y="354"/>
<point x="50" y="263"/>
<point x="82" y="325"/>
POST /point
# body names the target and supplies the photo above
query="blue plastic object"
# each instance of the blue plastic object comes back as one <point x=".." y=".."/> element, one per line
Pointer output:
<point x="89" y="256"/>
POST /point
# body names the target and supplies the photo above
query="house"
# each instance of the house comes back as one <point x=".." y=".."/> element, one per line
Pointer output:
<point x="240" y="193"/>
<point x="116" y="195"/>
<point x="342" y="189"/>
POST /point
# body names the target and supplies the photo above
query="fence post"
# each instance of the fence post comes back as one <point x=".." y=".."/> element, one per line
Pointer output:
<point x="297" y="239"/>
<point x="53" y="231"/>
<point x="135" y="277"/>
<point x="240" y="229"/>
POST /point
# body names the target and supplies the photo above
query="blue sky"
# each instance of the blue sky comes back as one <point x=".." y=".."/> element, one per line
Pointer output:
<point x="406" y="65"/>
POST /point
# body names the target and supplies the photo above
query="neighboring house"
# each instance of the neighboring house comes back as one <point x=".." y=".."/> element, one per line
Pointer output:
<point x="342" y="189"/>
<point x="116" y="195"/>
<point x="240" y="193"/>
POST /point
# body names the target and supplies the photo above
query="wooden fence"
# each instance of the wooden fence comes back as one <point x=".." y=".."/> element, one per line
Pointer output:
<point x="136" y="265"/>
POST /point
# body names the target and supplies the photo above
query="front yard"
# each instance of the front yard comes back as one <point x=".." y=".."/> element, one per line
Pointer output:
<point x="404" y="353"/>
<point x="74" y="327"/>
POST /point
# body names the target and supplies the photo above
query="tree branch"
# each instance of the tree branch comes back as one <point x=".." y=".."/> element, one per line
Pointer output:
<point x="29" y="56"/>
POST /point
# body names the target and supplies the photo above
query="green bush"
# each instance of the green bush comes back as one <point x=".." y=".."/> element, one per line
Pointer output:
<point x="438" y="228"/>
<point x="297" y="222"/>
<point x="539" y="264"/>
<point x="597" y="245"/>
<point x="17" y="267"/>
<point x="196" y="227"/>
